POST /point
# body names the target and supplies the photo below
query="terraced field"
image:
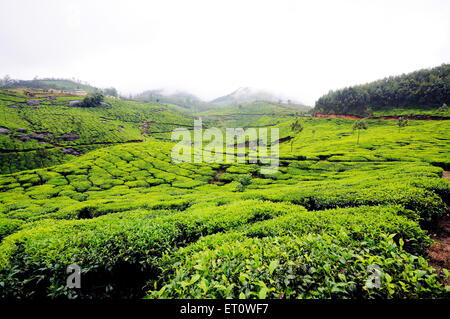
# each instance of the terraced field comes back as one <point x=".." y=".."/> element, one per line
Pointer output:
<point x="45" y="130"/>
<point x="140" y="225"/>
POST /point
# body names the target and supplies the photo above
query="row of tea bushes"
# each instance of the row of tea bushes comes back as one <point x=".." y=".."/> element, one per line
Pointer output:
<point x="114" y="252"/>
<point x="324" y="254"/>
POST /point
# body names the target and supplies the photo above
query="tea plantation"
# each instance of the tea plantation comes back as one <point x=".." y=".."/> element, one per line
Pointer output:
<point x="45" y="130"/>
<point x="142" y="226"/>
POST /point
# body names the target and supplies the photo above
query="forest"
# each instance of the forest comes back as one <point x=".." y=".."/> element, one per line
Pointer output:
<point x="423" y="89"/>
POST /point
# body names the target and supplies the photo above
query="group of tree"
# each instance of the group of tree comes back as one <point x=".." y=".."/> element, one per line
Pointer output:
<point x="427" y="88"/>
<point x="111" y="91"/>
<point x="92" y="100"/>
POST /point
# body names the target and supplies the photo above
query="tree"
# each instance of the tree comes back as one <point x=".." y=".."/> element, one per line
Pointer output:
<point x="402" y="122"/>
<point x="93" y="100"/>
<point x="111" y="91"/>
<point x="6" y="80"/>
<point x="359" y="125"/>
<point x="296" y="128"/>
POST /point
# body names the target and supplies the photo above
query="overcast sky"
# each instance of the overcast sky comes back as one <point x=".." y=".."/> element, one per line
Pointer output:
<point x="301" y="49"/>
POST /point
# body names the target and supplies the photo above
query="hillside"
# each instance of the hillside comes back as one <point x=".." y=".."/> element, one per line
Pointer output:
<point x="183" y="99"/>
<point x="45" y="130"/>
<point x="47" y="84"/>
<point x="420" y="92"/>
<point x="246" y="95"/>
<point x="240" y="97"/>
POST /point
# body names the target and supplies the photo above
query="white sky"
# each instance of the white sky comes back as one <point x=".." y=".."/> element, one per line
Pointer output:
<point x="301" y="49"/>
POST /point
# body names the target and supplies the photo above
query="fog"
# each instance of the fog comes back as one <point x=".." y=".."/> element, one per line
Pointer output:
<point x="300" y="49"/>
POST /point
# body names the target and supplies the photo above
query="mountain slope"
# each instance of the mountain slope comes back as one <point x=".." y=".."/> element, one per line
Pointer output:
<point x="246" y="95"/>
<point x="180" y="98"/>
<point x="49" y="131"/>
<point x="46" y="84"/>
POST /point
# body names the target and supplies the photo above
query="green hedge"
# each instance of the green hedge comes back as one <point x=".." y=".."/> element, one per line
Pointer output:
<point x="308" y="266"/>
<point x="115" y="253"/>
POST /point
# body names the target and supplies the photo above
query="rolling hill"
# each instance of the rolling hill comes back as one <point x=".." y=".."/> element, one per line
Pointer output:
<point x="46" y="84"/>
<point x="45" y="130"/>
<point x="180" y="98"/>
<point x="246" y="95"/>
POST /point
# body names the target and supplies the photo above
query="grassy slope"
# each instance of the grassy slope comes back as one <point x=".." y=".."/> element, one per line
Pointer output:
<point x="335" y="140"/>
<point x="413" y="112"/>
<point x="94" y="127"/>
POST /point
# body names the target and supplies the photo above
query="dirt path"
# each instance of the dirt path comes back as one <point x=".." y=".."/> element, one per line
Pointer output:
<point x="144" y="128"/>
<point x="439" y="251"/>
<point x="446" y="175"/>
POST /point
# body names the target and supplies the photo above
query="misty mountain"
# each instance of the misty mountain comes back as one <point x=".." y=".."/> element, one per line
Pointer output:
<point x="426" y="89"/>
<point x="180" y="98"/>
<point x="246" y="95"/>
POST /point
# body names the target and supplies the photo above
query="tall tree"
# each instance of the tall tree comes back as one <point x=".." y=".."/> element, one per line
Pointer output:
<point x="359" y="125"/>
<point x="402" y="122"/>
<point x="296" y="128"/>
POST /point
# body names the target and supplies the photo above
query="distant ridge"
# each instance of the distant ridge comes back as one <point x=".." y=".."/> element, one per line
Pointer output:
<point x="245" y="95"/>
<point x="180" y="98"/>
<point x="47" y="83"/>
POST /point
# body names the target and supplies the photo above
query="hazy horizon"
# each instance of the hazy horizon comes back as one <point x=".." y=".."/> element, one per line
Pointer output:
<point x="300" y="50"/>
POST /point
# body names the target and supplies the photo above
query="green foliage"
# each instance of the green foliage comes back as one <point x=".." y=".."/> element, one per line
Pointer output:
<point x="243" y="181"/>
<point x="359" y="125"/>
<point x="55" y="132"/>
<point x="8" y="226"/>
<point x="421" y="89"/>
<point x="307" y="266"/>
<point x="93" y="100"/>
<point x="107" y="245"/>
<point x="402" y="122"/>
<point x="296" y="126"/>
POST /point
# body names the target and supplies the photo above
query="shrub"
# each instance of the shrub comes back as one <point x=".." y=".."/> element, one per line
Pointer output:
<point x="113" y="253"/>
